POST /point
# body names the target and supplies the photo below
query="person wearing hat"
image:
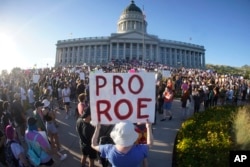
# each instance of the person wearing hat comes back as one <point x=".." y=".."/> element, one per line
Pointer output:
<point x="16" y="148"/>
<point x="52" y="112"/>
<point x="85" y="132"/>
<point x="124" y="152"/>
<point x="32" y="134"/>
<point x="38" y="114"/>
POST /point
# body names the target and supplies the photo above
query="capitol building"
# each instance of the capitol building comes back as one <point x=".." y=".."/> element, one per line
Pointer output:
<point x="131" y="42"/>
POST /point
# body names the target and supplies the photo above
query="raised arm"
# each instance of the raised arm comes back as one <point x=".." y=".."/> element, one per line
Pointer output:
<point x="150" y="138"/>
<point x="95" y="144"/>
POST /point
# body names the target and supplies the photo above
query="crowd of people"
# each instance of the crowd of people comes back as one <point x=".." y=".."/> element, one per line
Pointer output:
<point x="44" y="91"/>
<point x="200" y="88"/>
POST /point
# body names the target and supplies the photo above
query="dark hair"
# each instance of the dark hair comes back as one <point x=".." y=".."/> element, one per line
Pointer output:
<point x="5" y="105"/>
<point x="81" y="97"/>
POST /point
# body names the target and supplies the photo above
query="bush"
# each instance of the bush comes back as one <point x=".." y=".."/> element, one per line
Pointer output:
<point x="241" y="128"/>
<point x="205" y="139"/>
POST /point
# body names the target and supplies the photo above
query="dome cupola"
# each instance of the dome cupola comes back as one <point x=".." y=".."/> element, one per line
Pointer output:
<point x="132" y="7"/>
<point x="132" y="19"/>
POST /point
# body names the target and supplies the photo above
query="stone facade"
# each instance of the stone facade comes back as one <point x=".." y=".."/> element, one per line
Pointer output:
<point x="131" y="42"/>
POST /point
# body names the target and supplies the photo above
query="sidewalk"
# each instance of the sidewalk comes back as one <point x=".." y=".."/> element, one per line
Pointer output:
<point x="161" y="153"/>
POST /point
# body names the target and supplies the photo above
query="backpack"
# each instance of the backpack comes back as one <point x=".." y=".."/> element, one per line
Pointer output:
<point x="34" y="152"/>
<point x="9" y="156"/>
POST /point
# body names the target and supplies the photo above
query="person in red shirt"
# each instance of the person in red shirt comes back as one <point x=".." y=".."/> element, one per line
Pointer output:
<point x="168" y="96"/>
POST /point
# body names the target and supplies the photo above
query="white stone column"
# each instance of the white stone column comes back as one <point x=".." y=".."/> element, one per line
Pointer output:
<point x="181" y="62"/>
<point x="63" y="55"/>
<point x="124" y="50"/>
<point x="83" y="54"/>
<point x="89" y="54"/>
<point x="190" y="58"/>
<point x="150" y="52"/>
<point x="72" y="55"/>
<point x="203" y="60"/>
<point x="170" y="56"/>
<point x="157" y="52"/>
<point x="101" y="55"/>
<point x="175" y="57"/>
<point x="131" y="47"/>
<point x="185" y="58"/>
<point x="68" y="56"/>
<point x="137" y="51"/>
<point x="117" y="51"/>
<point x="78" y="59"/>
<point x="110" y="51"/>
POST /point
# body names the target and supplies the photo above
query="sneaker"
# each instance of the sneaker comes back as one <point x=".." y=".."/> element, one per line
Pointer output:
<point x="164" y="119"/>
<point x="63" y="157"/>
<point x="170" y="118"/>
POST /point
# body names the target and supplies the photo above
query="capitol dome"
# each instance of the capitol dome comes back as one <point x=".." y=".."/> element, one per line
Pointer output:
<point x="132" y="19"/>
<point x="132" y="7"/>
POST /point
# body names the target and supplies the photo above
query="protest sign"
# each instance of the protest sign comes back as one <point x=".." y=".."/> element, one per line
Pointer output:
<point x="82" y="75"/>
<point x="166" y="73"/>
<point x="116" y="97"/>
<point x="36" y="78"/>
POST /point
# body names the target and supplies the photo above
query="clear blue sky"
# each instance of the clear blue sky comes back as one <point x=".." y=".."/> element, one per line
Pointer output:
<point x="29" y="29"/>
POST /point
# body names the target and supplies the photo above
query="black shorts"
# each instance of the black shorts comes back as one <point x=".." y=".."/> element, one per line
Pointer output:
<point x="49" y="163"/>
<point x="66" y="103"/>
<point x="89" y="151"/>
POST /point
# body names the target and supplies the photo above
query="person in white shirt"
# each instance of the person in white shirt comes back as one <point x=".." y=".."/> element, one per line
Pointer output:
<point x="31" y="97"/>
<point x="23" y="96"/>
<point x="66" y="99"/>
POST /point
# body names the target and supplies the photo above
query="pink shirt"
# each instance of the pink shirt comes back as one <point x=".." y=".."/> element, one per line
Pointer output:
<point x="80" y="108"/>
<point x="184" y="86"/>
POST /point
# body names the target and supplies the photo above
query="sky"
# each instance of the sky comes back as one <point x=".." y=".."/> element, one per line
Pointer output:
<point x="30" y="29"/>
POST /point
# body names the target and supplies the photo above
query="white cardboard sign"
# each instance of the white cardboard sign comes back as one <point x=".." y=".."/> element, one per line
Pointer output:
<point x="36" y="78"/>
<point x="116" y="97"/>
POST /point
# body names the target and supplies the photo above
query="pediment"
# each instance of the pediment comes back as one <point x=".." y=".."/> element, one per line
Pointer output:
<point x="133" y="35"/>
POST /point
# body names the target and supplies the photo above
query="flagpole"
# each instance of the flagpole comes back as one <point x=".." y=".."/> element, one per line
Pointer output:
<point x="143" y="35"/>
